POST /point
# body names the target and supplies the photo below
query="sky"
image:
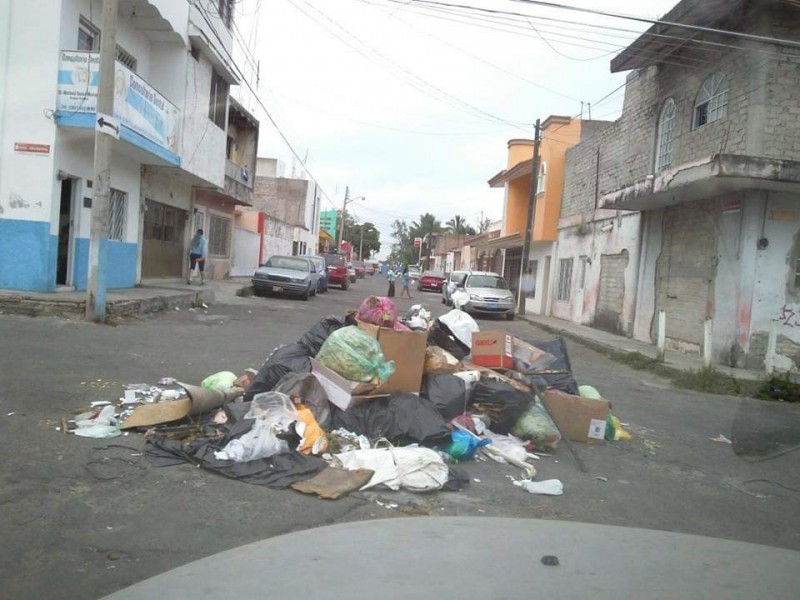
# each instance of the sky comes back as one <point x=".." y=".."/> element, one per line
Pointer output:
<point x="411" y="105"/>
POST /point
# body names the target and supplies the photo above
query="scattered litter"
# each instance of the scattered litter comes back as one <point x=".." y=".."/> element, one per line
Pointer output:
<point x="550" y="561"/>
<point x="476" y="480"/>
<point x="721" y="439"/>
<point x="203" y="305"/>
<point x="11" y="413"/>
<point x="601" y="478"/>
<point x="177" y="308"/>
<point x="549" y="487"/>
<point x="97" y="403"/>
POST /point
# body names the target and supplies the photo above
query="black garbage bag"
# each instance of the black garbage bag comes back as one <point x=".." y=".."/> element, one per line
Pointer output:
<point x="292" y="358"/>
<point x="563" y="380"/>
<point x="401" y="418"/>
<point x="503" y="403"/>
<point x="448" y="394"/>
<point x="316" y="336"/>
<point x="440" y="335"/>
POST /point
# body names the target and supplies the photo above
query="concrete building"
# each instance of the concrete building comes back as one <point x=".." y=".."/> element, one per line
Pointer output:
<point x="172" y="77"/>
<point x="288" y="200"/>
<point x="689" y="202"/>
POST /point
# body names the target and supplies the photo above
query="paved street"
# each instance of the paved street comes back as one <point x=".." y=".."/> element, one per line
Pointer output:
<point x="78" y="525"/>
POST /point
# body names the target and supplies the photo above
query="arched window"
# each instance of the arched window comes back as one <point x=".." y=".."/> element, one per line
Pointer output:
<point x="541" y="179"/>
<point x="712" y="100"/>
<point x="666" y="135"/>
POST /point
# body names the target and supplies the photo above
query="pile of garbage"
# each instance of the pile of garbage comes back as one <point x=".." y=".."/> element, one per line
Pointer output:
<point x="369" y="399"/>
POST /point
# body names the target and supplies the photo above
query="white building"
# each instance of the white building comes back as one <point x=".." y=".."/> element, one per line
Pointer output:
<point x="172" y="79"/>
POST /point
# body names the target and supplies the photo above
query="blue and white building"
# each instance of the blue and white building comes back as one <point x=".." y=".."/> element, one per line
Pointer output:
<point x="172" y="79"/>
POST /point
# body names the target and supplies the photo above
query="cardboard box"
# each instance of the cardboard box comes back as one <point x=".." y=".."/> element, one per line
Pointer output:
<point x="342" y="392"/>
<point x="407" y="350"/>
<point x="528" y="357"/>
<point x="493" y="349"/>
<point x="579" y="419"/>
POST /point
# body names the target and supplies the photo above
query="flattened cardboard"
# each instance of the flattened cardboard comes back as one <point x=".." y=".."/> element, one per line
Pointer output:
<point x="407" y="350"/>
<point x="579" y="419"/>
<point x="200" y="400"/>
<point x="342" y="392"/>
<point x="529" y="357"/>
<point x="493" y="349"/>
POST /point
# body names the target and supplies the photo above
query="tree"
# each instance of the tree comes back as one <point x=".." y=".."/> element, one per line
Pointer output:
<point x="371" y="240"/>
<point x="484" y="225"/>
<point x="458" y="226"/>
<point x="403" y="250"/>
<point x="424" y="228"/>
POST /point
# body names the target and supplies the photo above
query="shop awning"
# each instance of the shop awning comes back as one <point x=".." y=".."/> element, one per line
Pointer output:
<point x="509" y="241"/>
<point x="325" y="236"/>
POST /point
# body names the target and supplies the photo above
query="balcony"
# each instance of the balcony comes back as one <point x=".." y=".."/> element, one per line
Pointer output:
<point x="148" y="121"/>
<point x="239" y="182"/>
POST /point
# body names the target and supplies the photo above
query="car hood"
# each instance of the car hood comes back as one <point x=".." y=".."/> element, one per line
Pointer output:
<point x="490" y="293"/>
<point x="264" y="271"/>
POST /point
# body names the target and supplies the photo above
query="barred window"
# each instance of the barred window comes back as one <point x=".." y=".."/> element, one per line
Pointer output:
<point x="116" y="217"/>
<point x="564" y="279"/>
<point x="219" y="235"/>
<point x="218" y="100"/>
<point x="712" y="100"/>
<point x="666" y="135"/>
<point x="126" y="58"/>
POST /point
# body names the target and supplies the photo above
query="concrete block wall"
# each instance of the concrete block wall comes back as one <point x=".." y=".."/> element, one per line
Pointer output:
<point x="283" y="198"/>
<point x="781" y="132"/>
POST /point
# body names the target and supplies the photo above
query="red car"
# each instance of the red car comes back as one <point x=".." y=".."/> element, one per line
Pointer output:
<point x="431" y="281"/>
<point x="361" y="270"/>
<point x="336" y="265"/>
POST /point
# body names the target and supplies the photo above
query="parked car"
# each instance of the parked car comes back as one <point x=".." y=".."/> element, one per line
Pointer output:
<point x="351" y="272"/>
<point x="361" y="271"/>
<point x="372" y="266"/>
<point x="431" y="281"/>
<point x="414" y="273"/>
<point x="292" y="275"/>
<point x="488" y="295"/>
<point x="322" y="271"/>
<point x="455" y="280"/>
<point x="336" y="265"/>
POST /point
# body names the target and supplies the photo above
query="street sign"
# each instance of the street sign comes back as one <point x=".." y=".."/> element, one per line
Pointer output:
<point x="417" y="242"/>
<point x="108" y="125"/>
<point x="30" y="148"/>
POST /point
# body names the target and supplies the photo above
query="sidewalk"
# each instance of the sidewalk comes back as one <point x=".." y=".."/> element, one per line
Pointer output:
<point x="617" y="344"/>
<point x="153" y="295"/>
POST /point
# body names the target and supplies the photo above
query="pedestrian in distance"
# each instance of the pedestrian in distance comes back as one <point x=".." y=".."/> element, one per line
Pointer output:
<point x="391" y="276"/>
<point x="405" y="281"/>
<point x="198" y="250"/>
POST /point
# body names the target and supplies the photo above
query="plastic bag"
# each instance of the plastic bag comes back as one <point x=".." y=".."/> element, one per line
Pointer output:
<point x="448" y="393"/>
<point x="316" y="336"/>
<point x="356" y="356"/>
<point x="400" y="418"/>
<point x="501" y="401"/>
<point x="461" y="325"/>
<point x="460" y="298"/>
<point x="439" y="360"/>
<point x="412" y="468"/>
<point x="561" y="379"/>
<point x="312" y="437"/>
<point x="536" y="426"/>
<point x="464" y="446"/>
<point x="308" y="390"/>
<point x="219" y="381"/>
<point x="273" y="413"/>
<point x="440" y="335"/>
<point x="293" y="358"/>
<point x="378" y="310"/>
<point x="588" y="391"/>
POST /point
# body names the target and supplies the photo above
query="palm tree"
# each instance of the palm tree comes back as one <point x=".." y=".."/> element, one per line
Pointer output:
<point x="458" y="226"/>
<point x="424" y="228"/>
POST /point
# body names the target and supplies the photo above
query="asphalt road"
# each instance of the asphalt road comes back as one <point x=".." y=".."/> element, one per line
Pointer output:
<point x="81" y="519"/>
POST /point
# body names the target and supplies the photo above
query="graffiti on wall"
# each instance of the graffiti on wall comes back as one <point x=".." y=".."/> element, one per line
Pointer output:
<point x="789" y="315"/>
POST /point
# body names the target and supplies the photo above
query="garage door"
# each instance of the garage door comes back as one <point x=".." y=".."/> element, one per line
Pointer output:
<point x="162" y="246"/>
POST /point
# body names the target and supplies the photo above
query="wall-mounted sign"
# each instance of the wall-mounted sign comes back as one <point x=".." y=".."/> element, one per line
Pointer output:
<point x="30" y="148"/>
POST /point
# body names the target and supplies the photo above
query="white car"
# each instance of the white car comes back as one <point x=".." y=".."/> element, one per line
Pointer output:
<point x="454" y="281"/>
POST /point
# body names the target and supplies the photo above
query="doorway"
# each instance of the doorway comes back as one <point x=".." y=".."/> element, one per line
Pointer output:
<point x="65" y="223"/>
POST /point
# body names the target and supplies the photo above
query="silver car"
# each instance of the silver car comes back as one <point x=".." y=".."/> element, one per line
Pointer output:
<point x="488" y="295"/>
<point x="293" y="275"/>
<point x="454" y="281"/>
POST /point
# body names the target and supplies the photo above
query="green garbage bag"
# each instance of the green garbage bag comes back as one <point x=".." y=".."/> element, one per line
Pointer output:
<point x="219" y="381"/>
<point x="536" y="426"/>
<point x="356" y="356"/>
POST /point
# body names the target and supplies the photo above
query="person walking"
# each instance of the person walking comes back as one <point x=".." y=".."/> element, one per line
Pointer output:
<point x="198" y="250"/>
<point x="405" y="281"/>
<point x="391" y="276"/>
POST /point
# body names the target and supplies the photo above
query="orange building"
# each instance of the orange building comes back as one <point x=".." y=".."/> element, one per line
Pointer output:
<point x="558" y="134"/>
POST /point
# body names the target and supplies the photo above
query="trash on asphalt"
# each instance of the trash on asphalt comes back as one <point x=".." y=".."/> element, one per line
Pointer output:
<point x="370" y="399"/>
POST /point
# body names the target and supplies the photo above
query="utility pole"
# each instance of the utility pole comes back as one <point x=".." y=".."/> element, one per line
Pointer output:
<point x="101" y="197"/>
<point x="361" y="244"/>
<point x="344" y="215"/>
<point x="526" y="246"/>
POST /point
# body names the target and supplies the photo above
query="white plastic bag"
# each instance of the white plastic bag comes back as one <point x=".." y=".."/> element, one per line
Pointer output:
<point x="413" y="468"/>
<point x="460" y="298"/>
<point x="548" y="487"/>
<point x="461" y="325"/>
<point x="273" y="412"/>
<point x="377" y="460"/>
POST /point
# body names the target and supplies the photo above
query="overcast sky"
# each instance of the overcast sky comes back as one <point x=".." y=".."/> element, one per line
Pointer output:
<point x="412" y="107"/>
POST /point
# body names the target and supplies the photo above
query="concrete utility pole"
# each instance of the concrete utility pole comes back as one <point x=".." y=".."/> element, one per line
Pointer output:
<point x="361" y="244"/>
<point x="526" y="246"/>
<point x="344" y="215"/>
<point x="101" y="197"/>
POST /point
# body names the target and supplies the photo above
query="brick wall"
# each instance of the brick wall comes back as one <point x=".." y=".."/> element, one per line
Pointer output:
<point x="782" y="89"/>
<point x="612" y="292"/>
<point x="281" y="198"/>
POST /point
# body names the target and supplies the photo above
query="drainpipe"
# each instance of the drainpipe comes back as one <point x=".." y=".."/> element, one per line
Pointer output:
<point x="261" y="227"/>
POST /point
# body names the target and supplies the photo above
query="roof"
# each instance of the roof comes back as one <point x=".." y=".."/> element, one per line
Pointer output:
<point x="520" y="169"/>
<point x="659" y="42"/>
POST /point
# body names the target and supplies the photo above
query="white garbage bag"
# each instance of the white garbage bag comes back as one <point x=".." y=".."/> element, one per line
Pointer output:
<point x="461" y="325"/>
<point x="273" y="413"/>
<point x="412" y="468"/>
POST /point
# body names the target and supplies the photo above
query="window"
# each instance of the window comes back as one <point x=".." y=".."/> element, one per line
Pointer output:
<point x="88" y="36"/>
<point x="219" y="235"/>
<point x="564" y="279"/>
<point x="218" y="100"/>
<point x="712" y="100"/>
<point x="225" y="10"/>
<point x="541" y="179"/>
<point x="126" y="58"/>
<point x="666" y="135"/>
<point x="116" y="216"/>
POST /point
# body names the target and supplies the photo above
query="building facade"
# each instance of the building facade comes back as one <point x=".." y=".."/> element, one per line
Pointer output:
<point x="694" y="209"/>
<point x="172" y="77"/>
